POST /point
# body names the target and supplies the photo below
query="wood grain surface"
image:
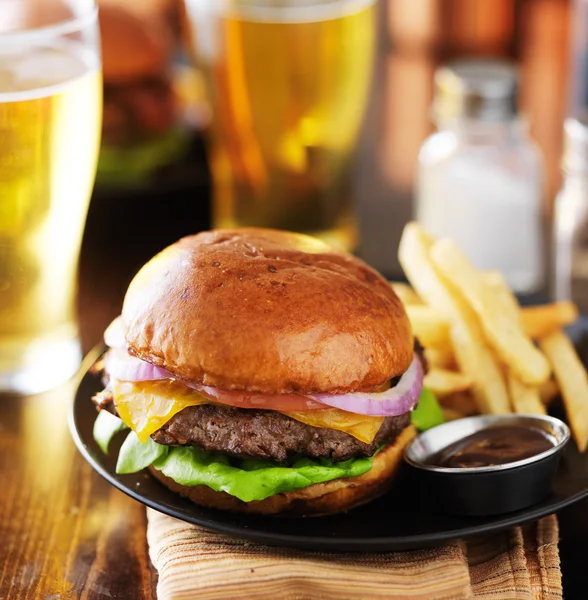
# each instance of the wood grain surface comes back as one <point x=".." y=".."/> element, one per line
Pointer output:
<point x="64" y="532"/>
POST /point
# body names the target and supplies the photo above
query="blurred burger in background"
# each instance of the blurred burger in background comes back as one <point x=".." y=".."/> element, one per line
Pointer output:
<point x="144" y="124"/>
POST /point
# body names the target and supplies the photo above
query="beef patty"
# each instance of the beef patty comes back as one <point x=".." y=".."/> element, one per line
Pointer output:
<point x="253" y="433"/>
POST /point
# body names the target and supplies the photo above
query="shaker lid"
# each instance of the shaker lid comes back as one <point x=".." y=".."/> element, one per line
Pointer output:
<point x="575" y="155"/>
<point x="480" y="89"/>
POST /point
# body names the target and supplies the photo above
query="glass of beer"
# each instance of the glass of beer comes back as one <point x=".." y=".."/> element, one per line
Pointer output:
<point x="50" y="117"/>
<point x="288" y="82"/>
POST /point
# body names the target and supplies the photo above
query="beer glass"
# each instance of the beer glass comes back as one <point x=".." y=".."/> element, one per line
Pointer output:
<point x="50" y="117"/>
<point x="288" y="82"/>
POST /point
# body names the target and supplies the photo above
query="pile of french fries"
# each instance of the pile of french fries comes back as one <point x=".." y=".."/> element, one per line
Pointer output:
<point x="485" y="353"/>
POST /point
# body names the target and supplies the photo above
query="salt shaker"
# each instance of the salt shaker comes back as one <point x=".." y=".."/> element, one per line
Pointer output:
<point x="571" y="219"/>
<point x="479" y="175"/>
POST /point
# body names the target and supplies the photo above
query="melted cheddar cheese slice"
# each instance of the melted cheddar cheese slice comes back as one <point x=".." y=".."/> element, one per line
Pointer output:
<point x="362" y="427"/>
<point x="148" y="405"/>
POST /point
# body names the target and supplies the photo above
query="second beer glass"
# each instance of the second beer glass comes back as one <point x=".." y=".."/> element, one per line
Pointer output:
<point x="288" y="82"/>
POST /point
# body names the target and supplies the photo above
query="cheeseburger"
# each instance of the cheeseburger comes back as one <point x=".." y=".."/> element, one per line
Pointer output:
<point x="261" y="371"/>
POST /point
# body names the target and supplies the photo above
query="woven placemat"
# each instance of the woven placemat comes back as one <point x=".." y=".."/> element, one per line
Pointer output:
<point x="519" y="563"/>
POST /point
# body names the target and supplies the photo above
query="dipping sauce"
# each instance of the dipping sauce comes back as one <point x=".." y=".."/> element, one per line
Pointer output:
<point x="496" y="445"/>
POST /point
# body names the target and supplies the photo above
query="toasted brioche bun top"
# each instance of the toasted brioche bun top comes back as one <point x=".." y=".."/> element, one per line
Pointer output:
<point x="266" y="311"/>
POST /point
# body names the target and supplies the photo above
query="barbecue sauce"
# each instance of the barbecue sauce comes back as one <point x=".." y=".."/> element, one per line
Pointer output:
<point x="496" y="445"/>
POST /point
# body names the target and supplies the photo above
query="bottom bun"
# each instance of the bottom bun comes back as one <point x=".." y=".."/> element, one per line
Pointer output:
<point x="316" y="500"/>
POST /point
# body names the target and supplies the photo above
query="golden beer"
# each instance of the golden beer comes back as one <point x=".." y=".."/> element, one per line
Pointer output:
<point x="50" y="115"/>
<point x="288" y="83"/>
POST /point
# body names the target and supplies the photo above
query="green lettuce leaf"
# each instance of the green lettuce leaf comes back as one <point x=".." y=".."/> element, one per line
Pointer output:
<point x="252" y="479"/>
<point x="246" y="479"/>
<point x="428" y="412"/>
<point x="134" y="455"/>
<point x="106" y="427"/>
<point x="131" y="165"/>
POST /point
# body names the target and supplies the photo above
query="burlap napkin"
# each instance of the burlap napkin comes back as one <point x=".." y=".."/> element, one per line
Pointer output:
<point x="520" y="563"/>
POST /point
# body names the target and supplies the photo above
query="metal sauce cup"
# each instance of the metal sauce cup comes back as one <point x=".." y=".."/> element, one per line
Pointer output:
<point x="493" y="489"/>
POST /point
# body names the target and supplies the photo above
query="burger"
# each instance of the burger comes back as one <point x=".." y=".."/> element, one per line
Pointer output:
<point x="261" y="371"/>
<point x="142" y="128"/>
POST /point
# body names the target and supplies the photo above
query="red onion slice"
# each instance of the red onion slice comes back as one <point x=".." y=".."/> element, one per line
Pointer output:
<point x="395" y="401"/>
<point x="121" y="365"/>
<point x="114" y="336"/>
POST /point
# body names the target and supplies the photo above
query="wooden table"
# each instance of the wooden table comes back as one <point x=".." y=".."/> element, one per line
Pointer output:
<point x="64" y="532"/>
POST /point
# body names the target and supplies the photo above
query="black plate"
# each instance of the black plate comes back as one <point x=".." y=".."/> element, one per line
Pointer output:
<point x="402" y="519"/>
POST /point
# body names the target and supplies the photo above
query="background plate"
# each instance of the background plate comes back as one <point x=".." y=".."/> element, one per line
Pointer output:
<point x="402" y="519"/>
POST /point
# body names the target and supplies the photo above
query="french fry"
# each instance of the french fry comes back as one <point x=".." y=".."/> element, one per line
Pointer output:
<point x="573" y="383"/>
<point x="461" y="402"/>
<point x="548" y="391"/>
<point x="440" y="357"/>
<point x="407" y="295"/>
<point x="503" y="334"/>
<point x="496" y="282"/>
<point x="525" y="399"/>
<point x="428" y="326"/>
<point x="539" y="321"/>
<point x="443" y="383"/>
<point x="450" y="414"/>
<point x="474" y="358"/>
